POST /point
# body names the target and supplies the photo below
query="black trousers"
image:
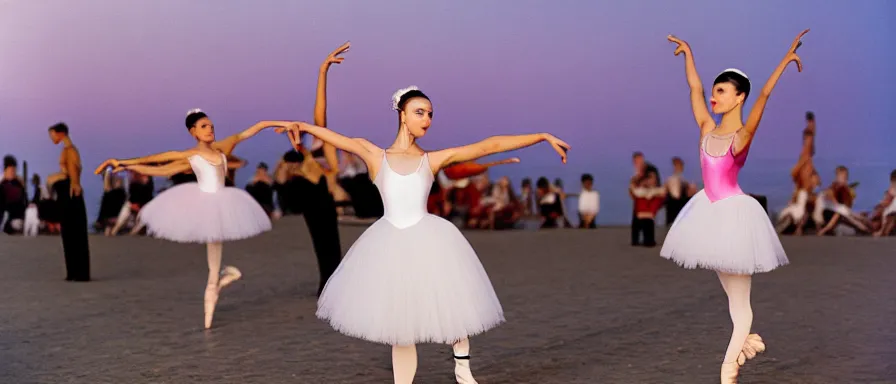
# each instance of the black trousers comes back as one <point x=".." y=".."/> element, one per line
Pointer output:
<point x="645" y="227"/>
<point x="73" y="225"/>
<point x="323" y="225"/>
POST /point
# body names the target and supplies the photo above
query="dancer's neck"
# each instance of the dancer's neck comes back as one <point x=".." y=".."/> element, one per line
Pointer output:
<point x="731" y="121"/>
<point x="404" y="141"/>
<point x="202" y="145"/>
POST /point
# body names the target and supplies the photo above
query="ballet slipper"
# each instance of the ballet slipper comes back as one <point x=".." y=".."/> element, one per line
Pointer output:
<point x="229" y="274"/>
<point x="211" y="300"/>
<point x="462" y="373"/>
<point x="729" y="372"/>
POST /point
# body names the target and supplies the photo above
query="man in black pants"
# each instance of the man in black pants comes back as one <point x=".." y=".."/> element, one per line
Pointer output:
<point x="72" y="208"/>
<point x="323" y="226"/>
<point x="317" y="206"/>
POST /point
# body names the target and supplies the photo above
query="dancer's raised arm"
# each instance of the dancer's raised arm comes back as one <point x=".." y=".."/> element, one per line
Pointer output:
<point x="493" y="145"/>
<point x="320" y="102"/>
<point x="361" y="147"/>
<point x="698" y="96"/>
<point x="755" y="116"/>
<point x="228" y="144"/>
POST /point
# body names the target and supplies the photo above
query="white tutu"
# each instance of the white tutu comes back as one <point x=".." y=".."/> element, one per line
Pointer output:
<point x="186" y="214"/>
<point x="732" y="235"/>
<point x="423" y="283"/>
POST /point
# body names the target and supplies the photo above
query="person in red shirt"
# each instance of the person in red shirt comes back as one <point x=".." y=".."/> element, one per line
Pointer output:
<point x="649" y="197"/>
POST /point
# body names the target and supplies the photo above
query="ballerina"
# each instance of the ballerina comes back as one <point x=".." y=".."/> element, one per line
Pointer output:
<point x="205" y="211"/>
<point x="721" y="228"/>
<point x="412" y="277"/>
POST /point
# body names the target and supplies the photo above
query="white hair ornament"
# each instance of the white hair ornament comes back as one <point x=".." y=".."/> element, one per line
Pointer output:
<point x="396" y="97"/>
<point x="194" y="110"/>
<point x="737" y="71"/>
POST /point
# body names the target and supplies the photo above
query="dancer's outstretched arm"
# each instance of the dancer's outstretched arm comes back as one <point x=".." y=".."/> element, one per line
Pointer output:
<point x="759" y="107"/>
<point x="228" y="144"/>
<point x="320" y="102"/>
<point x="493" y="145"/>
<point x="167" y="170"/>
<point x="698" y="96"/>
<point x="361" y="147"/>
<point x="163" y="157"/>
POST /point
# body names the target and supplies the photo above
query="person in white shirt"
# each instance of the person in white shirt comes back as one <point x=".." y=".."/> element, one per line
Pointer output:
<point x="589" y="203"/>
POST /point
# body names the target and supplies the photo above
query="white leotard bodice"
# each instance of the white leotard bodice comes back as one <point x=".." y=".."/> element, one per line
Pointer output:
<point x="404" y="196"/>
<point x="209" y="176"/>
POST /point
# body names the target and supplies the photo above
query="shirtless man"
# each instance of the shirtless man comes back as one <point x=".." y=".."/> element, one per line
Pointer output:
<point x="67" y="184"/>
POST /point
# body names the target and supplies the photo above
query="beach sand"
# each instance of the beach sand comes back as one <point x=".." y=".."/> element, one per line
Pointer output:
<point x="581" y="307"/>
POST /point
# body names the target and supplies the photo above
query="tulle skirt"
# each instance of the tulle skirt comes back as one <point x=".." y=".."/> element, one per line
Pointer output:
<point x="732" y="235"/>
<point x="423" y="283"/>
<point x="186" y="214"/>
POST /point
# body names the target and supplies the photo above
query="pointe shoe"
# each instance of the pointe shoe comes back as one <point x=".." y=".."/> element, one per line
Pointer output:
<point x="729" y="372"/>
<point x="211" y="300"/>
<point x="462" y="373"/>
<point x="228" y="275"/>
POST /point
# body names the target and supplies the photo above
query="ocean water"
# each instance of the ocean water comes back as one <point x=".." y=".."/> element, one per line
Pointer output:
<point x="764" y="177"/>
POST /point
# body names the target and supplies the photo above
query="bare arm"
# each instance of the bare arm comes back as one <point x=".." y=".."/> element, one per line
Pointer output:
<point x="228" y="144"/>
<point x="759" y="107"/>
<point x="107" y="181"/>
<point x="166" y="170"/>
<point x="493" y="145"/>
<point x="320" y="103"/>
<point x="361" y="147"/>
<point x="163" y="157"/>
<point x="234" y="162"/>
<point x="73" y="168"/>
<point x="698" y="95"/>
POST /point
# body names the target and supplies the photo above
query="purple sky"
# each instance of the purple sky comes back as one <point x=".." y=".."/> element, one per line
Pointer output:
<point x="599" y="74"/>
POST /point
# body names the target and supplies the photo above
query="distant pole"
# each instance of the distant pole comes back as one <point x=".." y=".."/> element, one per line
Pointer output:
<point x="25" y="172"/>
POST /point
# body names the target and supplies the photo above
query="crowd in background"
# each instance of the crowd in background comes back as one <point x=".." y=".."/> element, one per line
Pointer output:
<point x="475" y="202"/>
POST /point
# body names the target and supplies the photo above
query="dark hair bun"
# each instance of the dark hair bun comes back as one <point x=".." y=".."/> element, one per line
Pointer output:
<point x="737" y="78"/>
<point x="193" y="116"/>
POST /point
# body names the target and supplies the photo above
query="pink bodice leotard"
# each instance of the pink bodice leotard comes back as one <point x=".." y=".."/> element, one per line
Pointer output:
<point x="721" y="166"/>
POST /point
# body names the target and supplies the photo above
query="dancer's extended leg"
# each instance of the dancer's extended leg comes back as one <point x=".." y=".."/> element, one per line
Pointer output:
<point x="123" y="216"/>
<point x="462" y="372"/>
<point x="404" y="363"/>
<point x="742" y="345"/>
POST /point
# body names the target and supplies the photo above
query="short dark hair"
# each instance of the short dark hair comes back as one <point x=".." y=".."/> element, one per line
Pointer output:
<point x="587" y="177"/>
<point x="293" y="157"/>
<point x="263" y="165"/>
<point x="527" y="182"/>
<point x="810" y="116"/>
<point x="893" y="175"/>
<point x="842" y="168"/>
<point x="542" y="182"/>
<point x="637" y="154"/>
<point x="677" y="160"/>
<point x="59" y="127"/>
<point x="10" y="161"/>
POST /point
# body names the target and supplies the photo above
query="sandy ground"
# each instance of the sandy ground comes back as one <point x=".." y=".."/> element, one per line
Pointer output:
<point x="582" y="307"/>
